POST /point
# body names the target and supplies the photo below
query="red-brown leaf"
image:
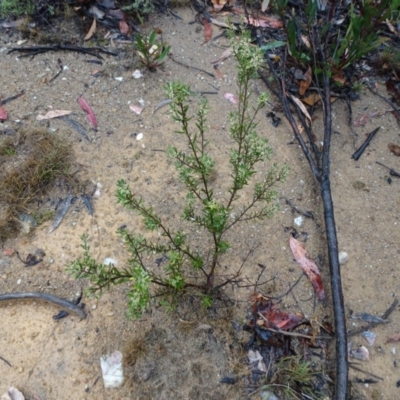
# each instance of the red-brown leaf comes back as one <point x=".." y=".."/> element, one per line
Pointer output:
<point x="218" y="72"/>
<point x="123" y="27"/>
<point x="394" y="148"/>
<point x="91" y="31"/>
<point x="207" y="30"/>
<point x="308" y="266"/>
<point x="393" y="338"/>
<point x="273" y="317"/>
<point x="90" y="114"/>
<point x="304" y="84"/>
<point x="3" y="114"/>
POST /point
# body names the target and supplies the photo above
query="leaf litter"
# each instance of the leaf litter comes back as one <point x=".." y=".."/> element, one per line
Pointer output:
<point x="89" y="111"/>
<point x="62" y="212"/>
<point x="308" y="265"/>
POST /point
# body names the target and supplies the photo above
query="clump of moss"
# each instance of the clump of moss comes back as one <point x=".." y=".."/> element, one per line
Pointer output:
<point x="16" y="8"/>
<point x="29" y="163"/>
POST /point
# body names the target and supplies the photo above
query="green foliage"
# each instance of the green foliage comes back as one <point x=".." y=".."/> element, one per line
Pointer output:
<point x="294" y="379"/>
<point x="362" y="35"/>
<point x="348" y="40"/>
<point x="152" y="53"/>
<point x="8" y="151"/>
<point x="139" y="7"/>
<point x="16" y="8"/>
<point x="186" y="266"/>
<point x="207" y="301"/>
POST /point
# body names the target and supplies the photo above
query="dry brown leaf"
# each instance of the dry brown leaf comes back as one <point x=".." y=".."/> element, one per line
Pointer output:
<point x="263" y="23"/>
<point x="309" y="266"/>
<point x="53" y="114"/>
<point x="391" y="27"/>
<point x="393" y="338"/>
<point x="91" y="31"/>
<point x="339" y="79"/>
<point x="301" y="106"/>
<point x="207" y="30"/>
<point x="222" y="24"/>
<point x="306" y="41"/>
<point x="218" y="72"/>
<point x="218" y="4"/>
<point x="3" y="114"/>
<point x="394" y="148"/>
<point x="123" y="27"/>
<point x="305" y="83"/>
<point x="264" y="5"/>
<point x="312" y="99"/>
<point x="362" y="119"/>
<point x="227" y="53"/>
<point x="270" y="22"/>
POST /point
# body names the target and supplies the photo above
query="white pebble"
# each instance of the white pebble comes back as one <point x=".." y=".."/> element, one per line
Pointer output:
<point x="137" y="74"/>
<point x="119" y="78"/>
<point x="299" y="220"/>
<point x="343" y="257"/>
<point x="139" y="136"/>
<point x="18" y="281"/>
<point x="109" y="261"/>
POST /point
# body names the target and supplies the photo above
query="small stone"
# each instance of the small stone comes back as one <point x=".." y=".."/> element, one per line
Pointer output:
<point x="8" y="252"/>
<point x="343" y="257"/>
<point x="361" y="353"/>
<point x="19" y="281"/>
<point x="20" y="370"/>
<point x="369" y="337"/>
<point x="137" y="74"/>
<point x="299" y="221"/>
<point x="268" y="396"/>
<point x="110" y="261"/>
<point x="139" y="136"/>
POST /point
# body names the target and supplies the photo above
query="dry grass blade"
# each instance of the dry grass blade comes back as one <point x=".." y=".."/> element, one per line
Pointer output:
<point x="27" y="169"/>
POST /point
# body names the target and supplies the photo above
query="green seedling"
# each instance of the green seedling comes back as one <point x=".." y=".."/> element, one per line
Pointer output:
<point x="294" y="379"/>
<point x="151" y="52"/>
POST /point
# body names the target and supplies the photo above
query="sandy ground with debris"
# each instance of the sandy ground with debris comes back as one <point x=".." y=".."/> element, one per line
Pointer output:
<point x="184" y="354"/>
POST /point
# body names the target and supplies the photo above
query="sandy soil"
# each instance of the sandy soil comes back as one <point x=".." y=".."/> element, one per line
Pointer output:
<point x="184" y="354"/>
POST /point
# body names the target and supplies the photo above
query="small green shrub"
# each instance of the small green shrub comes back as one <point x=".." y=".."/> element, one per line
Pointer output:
<point x="152" y="53"/>
<point x="346" y="42"/>
<point x="294" y="379"/>
<point x="186" y="266"/>
<point x="140" y="8"/>
<point x="16" y="8"/>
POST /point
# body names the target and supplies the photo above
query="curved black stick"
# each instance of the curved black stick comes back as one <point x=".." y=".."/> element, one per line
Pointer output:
<point x="359" y="152"/>
<point x="342" y="368"/>
<point x="46" y="297"/>
<point x="321" y="173"/>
